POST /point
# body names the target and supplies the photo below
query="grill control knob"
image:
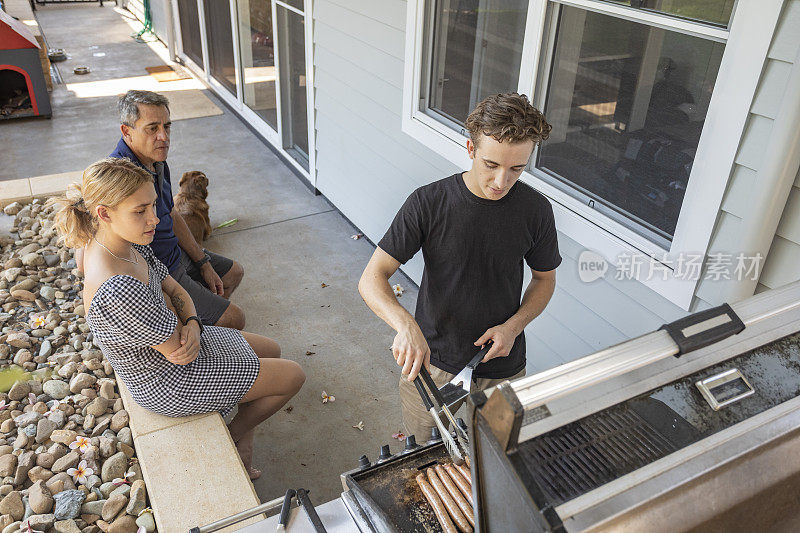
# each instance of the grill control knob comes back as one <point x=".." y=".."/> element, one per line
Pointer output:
<point x="385" y="454"/>
<point x="411" y="443"/>
<point x="435" y="436"/>
<point x="363" y="462"/>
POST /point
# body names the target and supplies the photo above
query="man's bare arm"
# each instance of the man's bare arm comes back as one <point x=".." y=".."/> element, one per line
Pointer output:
<point x="195" y="252"/>
<point x="534" y="301"/>
<point x="185" y="238"/>
<point x="410" y="348"/>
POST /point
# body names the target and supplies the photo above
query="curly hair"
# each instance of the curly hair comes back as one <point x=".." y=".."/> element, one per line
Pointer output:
<point x="507" y="117"/>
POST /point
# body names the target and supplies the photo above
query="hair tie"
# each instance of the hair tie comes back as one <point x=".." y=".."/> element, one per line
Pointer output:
<point x="79" y="204"/>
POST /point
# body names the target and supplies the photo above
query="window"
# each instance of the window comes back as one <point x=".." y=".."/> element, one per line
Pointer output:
<point x="476" y="49"/>
<point x="643" y="137"/>
<point x="627" y="102"/>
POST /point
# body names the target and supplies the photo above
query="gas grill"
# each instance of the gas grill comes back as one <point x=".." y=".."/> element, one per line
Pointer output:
<point x="695" y="426"/>
<point x="688" y="426"/>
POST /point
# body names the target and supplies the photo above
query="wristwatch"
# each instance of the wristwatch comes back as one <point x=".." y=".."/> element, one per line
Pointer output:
<point x="196" y="319"/>
<point x="205" y="259"/>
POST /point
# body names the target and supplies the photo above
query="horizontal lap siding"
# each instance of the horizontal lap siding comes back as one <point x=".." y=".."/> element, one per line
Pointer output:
<point x="780" y="264"/>
<point x="367" y="166"/>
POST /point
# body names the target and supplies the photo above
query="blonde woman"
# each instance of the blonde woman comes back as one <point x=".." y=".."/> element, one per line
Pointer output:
<point x="146" y="323"/>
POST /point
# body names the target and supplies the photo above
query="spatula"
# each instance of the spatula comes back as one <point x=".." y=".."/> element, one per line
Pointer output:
<point x="458" y="388"/>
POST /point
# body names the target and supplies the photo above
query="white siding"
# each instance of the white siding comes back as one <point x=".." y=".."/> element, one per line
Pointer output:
<point x="158" y="15"/>
<point x="781" y="262"/>
<point x="367" y="166"/>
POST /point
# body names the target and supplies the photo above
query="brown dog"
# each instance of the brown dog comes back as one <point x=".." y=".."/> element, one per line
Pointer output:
<point x="191" y="203"/>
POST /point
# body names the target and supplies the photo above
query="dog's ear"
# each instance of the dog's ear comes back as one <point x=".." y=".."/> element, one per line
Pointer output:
<point x="185" y="177"/>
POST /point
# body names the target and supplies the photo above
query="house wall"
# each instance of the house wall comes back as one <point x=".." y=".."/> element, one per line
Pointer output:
<point x="367" y="167"/>
<point x="781" y="263"/>
<point x="158" y="14"/>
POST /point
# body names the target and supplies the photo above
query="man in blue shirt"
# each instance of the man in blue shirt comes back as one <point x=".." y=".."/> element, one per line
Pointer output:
<point x="209" y="278"/>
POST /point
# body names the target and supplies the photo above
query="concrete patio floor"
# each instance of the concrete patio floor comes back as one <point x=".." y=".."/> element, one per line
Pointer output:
<point x="289" y="241"/>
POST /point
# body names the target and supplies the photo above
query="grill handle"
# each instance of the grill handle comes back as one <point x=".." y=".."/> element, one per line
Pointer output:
<point x="423" y="393"/>
<point x="704" y="328"/>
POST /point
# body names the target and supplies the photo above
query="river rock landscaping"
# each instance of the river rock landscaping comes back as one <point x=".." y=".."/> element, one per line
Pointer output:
<point x="67" y="460"/>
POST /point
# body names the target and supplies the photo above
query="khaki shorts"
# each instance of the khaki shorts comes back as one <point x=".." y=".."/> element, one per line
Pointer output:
<point x="416" y="419"/>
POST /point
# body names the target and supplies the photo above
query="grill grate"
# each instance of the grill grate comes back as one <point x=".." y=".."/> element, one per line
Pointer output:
<point x="581" y="456"/>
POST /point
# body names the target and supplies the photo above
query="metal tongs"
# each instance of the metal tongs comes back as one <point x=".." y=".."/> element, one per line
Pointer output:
<point x="457" y="448"/>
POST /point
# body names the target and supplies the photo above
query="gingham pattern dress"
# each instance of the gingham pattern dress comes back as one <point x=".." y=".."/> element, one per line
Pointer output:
<point x="128" y="318"/>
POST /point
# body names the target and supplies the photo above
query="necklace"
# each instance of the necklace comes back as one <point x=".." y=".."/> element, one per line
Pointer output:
<point x="136" y="259"/>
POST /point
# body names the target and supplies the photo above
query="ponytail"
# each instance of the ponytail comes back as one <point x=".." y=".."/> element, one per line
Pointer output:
<point x="106" y="182"/>
<point x="73" y="220"/>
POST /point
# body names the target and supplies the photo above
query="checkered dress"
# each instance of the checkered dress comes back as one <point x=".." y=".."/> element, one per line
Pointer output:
<point x="128" y="318"/>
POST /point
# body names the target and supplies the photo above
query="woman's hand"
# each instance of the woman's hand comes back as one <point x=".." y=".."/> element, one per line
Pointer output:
<point x="190" y="345"/>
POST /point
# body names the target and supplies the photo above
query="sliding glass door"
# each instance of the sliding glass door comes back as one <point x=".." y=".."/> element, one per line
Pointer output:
<point x="292" y="59"/>
<point x="219" y="35"/>
<point x="257" y="45"/>
<point x="190" y="31"/>
<point x="256" y="55"/>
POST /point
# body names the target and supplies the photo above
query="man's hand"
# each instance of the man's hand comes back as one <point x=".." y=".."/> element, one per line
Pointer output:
<point x="190" y="345"/>
<point x="211" y="278"/>
<point x="411" y="351"/>
<point x="503" y="338"/>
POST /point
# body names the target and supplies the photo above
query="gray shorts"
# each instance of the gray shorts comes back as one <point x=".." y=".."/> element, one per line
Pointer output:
<point x="210" y="307"/>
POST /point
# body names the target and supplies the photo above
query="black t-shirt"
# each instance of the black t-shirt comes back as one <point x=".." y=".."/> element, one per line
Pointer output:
<point x="473" y="250"/>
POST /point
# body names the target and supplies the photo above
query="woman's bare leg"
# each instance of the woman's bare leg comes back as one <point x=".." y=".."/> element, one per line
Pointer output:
<point x="278" y="380"/>
<point x="263" y="346"/>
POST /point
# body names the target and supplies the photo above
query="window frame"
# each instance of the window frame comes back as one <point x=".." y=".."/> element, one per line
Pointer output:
<point x="747" y="40"/>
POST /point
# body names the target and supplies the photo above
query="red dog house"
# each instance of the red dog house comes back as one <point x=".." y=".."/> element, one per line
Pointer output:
<point x="23" y="90"/>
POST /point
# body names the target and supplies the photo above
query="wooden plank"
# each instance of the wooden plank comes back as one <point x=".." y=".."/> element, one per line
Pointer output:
<point x="378" y="128"/>
<point x="725" y="241"/>
<point x="380" y="64"/>
<point x="771" y="88"/>
<point x="389" y="12"/>
<point x="740" y="190"/>
<point x="539" y="355"/>
<point x="780" y="266"/>
<point x="560" y="339"/>
<point x="656" y="308"/>
<point x="583" y="322"/>
<point x="754" y="141"/>
<point x="789" y="226"/>
<point x="786" y="40"/>
<point x="365" y="29"/>
<point x="355" y="77"/>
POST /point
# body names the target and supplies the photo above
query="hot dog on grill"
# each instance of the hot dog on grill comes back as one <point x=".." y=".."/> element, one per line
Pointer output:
<point x="465" y="472"/>
<point x="465" y="507"/>
<point x="452" y="507"/>
<point x="460" y="482"/>
<point x="438" y="507"/>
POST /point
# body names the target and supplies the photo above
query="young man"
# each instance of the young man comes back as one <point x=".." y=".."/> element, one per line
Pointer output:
<point x="475" y="230"/>
<point x="209" y="278"/>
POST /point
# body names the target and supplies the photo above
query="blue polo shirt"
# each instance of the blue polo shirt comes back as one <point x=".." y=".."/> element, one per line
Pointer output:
<point x="165" y="243"/>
